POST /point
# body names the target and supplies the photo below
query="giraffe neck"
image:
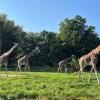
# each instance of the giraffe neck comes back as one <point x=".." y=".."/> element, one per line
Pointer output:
<point x="11" y="49"/>
<point x="96" y="50"/>
<point x="92" y="54"/>
<point x="68" y="59"/>
<point x="30" y="54"/>
<point x="5" y="55"/>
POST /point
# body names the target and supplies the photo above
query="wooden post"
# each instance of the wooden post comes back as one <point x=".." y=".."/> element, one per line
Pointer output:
<point x="1" y="36"/>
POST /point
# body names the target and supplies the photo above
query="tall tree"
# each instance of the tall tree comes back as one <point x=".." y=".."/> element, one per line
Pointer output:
<point x="11" y="33"/>
<point x="76" y="34"/>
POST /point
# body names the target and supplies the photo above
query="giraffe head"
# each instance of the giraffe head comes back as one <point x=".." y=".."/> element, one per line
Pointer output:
<point x="73" y="56"/>
<point x="37" y="50"/>
<point x="16" y="44"/>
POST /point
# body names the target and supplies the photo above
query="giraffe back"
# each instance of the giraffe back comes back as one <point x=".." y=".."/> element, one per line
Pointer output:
<point x="90" y="57"/>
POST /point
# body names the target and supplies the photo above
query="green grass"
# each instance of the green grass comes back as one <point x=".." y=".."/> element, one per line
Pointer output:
<point x="48" y="86"/>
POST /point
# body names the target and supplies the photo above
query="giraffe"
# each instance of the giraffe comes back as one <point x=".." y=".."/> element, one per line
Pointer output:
<point x="63" y="63"/>
<point x="4" y="57"/>
<point x="89" y="59"/>
<point x="25" y="59"/>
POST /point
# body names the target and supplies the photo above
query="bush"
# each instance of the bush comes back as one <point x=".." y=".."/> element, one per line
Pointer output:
<point x="74" y="64"/>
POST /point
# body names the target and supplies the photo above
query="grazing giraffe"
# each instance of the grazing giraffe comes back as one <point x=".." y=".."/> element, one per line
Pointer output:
<point x="25" y="59"/>
<point x="4" y="57"/>
<point x="63" y="63"/>
<point x="89" y="59"/>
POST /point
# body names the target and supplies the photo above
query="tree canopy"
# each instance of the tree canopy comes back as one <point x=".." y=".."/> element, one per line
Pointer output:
<point x="74" y="37"/>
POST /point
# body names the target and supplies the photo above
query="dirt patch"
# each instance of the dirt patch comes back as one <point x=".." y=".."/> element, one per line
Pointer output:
<point x="10" y="75"/>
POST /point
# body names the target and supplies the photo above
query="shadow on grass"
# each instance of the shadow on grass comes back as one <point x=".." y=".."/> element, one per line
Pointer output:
<point x="34" y="69"/>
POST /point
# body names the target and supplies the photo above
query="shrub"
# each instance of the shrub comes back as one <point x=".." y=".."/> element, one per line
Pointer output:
<point x="73" y="65"/>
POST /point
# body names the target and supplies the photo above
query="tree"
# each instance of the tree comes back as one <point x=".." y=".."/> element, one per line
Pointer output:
<point x="47" y="39"/>
<point x="11" y="33"/>
<point x="74" y="37"/>
<point x="76" y="34"/>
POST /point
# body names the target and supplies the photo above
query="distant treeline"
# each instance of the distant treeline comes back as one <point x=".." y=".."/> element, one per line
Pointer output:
<point x="74" y="37"/>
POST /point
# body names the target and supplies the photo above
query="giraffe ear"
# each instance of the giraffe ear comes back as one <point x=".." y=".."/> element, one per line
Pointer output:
<point x="37" y="48"/>
<point x="15" y="43"/>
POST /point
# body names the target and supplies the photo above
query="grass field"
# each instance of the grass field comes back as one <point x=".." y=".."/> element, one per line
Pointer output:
<point x="47" y="86"/>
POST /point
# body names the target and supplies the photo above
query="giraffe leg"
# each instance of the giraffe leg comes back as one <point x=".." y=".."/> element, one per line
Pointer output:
<point x="28" y="67"/>
<point x="0" y="65"/>
<point x="25" y="68"/>
<point x="17" y="70"/>
<point x="19" y="67"/>
<point x="66" y="69"/>
<point x="6" y="64"/>
<point x="90" y="74"/>
<point x="58" y="68"/>
<point x="96" y="74"/>
<point x="80" y="74"/>
<point x="20" y="70"/>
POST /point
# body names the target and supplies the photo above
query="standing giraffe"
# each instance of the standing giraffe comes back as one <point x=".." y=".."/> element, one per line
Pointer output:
<point x="25" y="59"/>
<point x="89" y="59"/>
<point x="63" y="63"/>
<point x="4" y="57"/>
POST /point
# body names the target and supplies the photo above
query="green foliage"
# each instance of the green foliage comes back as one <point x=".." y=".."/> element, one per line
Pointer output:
<point x="78" y="35"/>
<point x="74" y="64"/>
<point x="10" y="34"/>
<point x="47" y="86"/>
<point x="74" y="38"/>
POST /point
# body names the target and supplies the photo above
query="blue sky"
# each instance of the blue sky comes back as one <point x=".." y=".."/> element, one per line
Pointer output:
<point x="37" y="15"/>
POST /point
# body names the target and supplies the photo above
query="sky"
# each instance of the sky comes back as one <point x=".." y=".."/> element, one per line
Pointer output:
<point x="39" y="15"/>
